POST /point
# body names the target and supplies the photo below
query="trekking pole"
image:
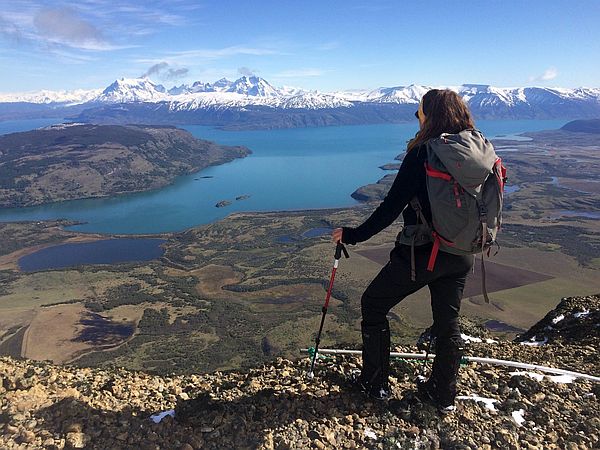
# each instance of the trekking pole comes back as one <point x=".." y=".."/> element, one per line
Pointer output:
<point x="339" y="248"/>
<point x="424" y="368"/>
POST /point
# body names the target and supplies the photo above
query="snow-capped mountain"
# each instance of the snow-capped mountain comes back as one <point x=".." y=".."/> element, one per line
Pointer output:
<point x="77" y="96"/>
<point x="128" y="90"/>
<point x="225" y="102"/>
<point x="254" y="86"/>
<point x="258" y="91"/>
<point x="399" y="94"/>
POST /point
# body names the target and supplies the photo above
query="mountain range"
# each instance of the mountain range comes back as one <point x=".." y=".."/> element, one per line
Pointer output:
<point x="252" y="102"/>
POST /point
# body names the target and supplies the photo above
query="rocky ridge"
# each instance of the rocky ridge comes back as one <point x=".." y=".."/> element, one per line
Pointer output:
<point x="276" y="407"/>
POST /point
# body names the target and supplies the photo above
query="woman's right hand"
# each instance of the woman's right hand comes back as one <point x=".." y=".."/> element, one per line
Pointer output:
<point x="337" y="235"/>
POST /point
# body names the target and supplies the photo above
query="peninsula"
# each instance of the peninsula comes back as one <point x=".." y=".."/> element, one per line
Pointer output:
<point x="74" y="161"/>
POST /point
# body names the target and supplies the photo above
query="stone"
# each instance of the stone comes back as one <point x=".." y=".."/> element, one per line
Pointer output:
<point x="75" y="427"/>
<point x="538" y="397"/>
<point x="77" y="440"/>
<point x="319" y="444"/>
<point x="552" y="436"/>
<point x="122" y="436"/>
<point x="330" y="437"/>
<point x="11" y="429"/>
<point x="27" y="437"/>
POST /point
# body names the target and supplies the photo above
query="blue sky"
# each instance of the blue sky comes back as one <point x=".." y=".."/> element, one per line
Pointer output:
<point x="324" y="45"/>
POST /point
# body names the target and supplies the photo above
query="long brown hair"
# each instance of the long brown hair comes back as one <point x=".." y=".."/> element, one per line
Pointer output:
<point x="445" y="112"/>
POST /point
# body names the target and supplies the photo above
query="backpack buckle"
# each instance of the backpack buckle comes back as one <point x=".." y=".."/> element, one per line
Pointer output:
<point x="483" y="213"/>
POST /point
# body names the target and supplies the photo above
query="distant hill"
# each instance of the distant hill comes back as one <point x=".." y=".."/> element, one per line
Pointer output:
<point x="583" y="126"/>
<point x="72" y="161"/>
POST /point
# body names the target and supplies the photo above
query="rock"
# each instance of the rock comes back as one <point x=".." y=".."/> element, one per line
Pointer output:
<point x="75" y="427"/>
<point x="186" y="447"/>
<point x="330" y="437"/>
<point x="26" y="437"/>
<point x="122" y="436"/>
<point x="77" y="440"/>
<point x="538" y="397"/>
<point x="552" y="436"/>
<point x="319" y="444"/>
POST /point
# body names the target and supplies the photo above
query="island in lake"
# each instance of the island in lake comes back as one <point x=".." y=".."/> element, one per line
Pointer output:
<point x="74" y="161"/>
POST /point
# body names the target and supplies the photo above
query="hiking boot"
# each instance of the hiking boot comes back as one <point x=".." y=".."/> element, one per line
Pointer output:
<point x="376" y="358"/>
<point x="381" y="393"/>
<point x="440" y="388"/>
<point x="426" y="392"/>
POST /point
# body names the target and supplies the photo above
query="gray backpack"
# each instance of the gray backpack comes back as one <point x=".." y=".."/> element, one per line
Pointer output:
<point x="465" y="184"/>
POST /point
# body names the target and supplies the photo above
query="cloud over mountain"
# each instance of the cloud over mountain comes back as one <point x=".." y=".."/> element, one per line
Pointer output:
<point x="165" y="71"/>
<point x="64" y="26"/>
<point x="549" y="74"/>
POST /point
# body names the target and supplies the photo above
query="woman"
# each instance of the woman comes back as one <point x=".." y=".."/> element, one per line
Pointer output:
<point x="440" y="111"/>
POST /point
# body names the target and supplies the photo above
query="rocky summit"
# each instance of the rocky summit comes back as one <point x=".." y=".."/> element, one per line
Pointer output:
<point x="276" y="406"/>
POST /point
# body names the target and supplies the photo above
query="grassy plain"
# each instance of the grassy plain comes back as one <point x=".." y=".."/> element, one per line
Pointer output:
<point x="251" y="286"/>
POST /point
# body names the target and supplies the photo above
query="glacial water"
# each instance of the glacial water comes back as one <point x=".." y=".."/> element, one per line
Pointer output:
<point x="302" y="168"/>
<point x="109" y="251"/>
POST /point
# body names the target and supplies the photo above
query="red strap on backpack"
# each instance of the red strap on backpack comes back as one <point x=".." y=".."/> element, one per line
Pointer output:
<point x="430" y="171"/>
<point x="434" y="251"/>
<point x="437" y="240"/>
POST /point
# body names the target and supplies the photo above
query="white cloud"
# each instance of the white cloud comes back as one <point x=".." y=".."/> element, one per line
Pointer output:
<point x="224" y="52"/>
<point x="64" y="26"/>
<point x="300" y="73"/>
<point x="247" y="72"/>
<point x="165" y="71"/>
<point x="549" y="74"/>
<point x="196" y="56"/>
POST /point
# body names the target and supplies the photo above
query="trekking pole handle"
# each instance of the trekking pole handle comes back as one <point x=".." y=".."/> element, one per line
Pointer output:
<point x="339" y="248"/>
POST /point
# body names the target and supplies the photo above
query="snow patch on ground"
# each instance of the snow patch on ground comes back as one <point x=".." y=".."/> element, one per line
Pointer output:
<point x="467" y="338"/>
<point x="518" y="417"/>
<point x="489" y="402"/>
<point x="579" y="315"/>
<point x="156" y="418"/>
<point x="558" y="319"/>
<point x="535" y="376"/>
<point x="561" y="378"/>
<point x="534" y="342"/>
<point x="540" y="377"/>
<point x="370" y="433"/>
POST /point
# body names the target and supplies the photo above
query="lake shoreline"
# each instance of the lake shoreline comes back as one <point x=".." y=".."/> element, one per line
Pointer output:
<point x="83" y="162"/>
<point x="289" y="170"/>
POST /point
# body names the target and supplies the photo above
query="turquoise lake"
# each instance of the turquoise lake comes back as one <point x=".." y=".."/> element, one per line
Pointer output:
<point x="302" y="168"/>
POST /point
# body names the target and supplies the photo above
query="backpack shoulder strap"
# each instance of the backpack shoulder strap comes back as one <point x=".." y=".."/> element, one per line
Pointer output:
<point x="416" y="205"/>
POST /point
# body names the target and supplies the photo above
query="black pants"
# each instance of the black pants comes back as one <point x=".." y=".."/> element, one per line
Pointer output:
<point x="393" y="284"/>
